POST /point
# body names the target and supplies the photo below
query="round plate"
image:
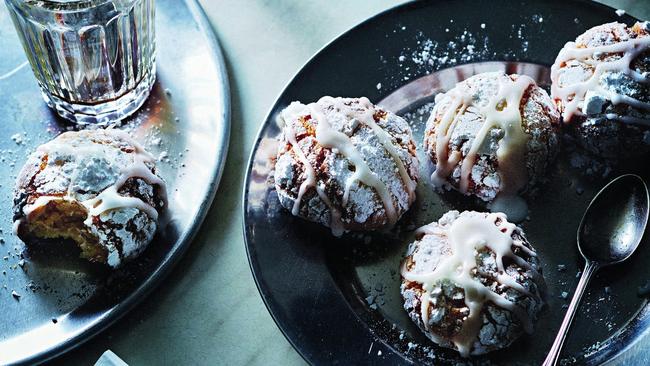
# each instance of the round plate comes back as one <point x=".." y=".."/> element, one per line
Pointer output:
<point x="338" y="300"/>
<point x="185" y="122"/>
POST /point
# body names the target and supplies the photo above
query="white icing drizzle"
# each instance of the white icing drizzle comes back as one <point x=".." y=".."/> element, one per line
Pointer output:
<point x="468" y="234"/>
<point x="446" y="162"/>
<point x="109" y="198"/>
<point x="333" y="139"/>
<point x="336" y="225"/>
<point x="572" y="96"/>
<point x="387" y="143"/>
<point x="338" y="142"/>
<point x="502" y="112"/>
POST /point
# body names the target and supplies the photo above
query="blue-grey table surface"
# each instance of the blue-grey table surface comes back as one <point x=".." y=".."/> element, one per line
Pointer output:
<point x="209" y="311"/>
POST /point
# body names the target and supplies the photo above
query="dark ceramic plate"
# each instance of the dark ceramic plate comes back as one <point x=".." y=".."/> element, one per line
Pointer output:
<point x="337" y="300"/>
<point x="64" y="301"/>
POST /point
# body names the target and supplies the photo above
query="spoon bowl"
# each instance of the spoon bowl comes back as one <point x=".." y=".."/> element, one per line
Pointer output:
<point x="609" y="232"/>
<point x="613" y="225"/>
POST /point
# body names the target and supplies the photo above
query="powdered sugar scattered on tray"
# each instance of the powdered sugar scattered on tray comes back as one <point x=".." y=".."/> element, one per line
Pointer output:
<point x="436" y="51"/>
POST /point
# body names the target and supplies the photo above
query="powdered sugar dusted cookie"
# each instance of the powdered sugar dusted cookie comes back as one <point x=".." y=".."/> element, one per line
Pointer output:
<point x="601" y="84"/>
<point x="98" y="188"/>
<point x="472" y="282"/>
<point x="492" y="135"/>
<point x="346" y="164"/>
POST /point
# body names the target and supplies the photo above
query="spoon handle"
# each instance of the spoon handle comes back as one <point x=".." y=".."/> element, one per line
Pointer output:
<point x="554" y="353"/>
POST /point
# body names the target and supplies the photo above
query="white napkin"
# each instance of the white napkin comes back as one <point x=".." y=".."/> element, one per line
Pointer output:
<point x="110" y="359"/>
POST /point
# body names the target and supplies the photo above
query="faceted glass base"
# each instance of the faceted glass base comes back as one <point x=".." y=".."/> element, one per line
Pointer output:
<point x="106" y="112"/>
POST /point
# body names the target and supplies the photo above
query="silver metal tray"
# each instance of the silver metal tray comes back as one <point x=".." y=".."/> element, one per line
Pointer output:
<point x="185" y="122"/>
<point x="341" y="302"/>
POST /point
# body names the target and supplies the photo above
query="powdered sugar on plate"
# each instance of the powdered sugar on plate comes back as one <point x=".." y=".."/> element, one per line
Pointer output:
<point x="449" y="47"/>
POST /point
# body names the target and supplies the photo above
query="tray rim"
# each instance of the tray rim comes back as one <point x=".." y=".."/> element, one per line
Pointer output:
<point x="161" y="272"/>
<point x="602" y="356"/>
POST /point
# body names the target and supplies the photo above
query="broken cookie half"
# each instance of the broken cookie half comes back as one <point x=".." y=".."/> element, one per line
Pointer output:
<point x="98" y="188"/>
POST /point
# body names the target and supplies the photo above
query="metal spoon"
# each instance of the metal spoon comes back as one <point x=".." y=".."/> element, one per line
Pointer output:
<point x="610" y="230"/>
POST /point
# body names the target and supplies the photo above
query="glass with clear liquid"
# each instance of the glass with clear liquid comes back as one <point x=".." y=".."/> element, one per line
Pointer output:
<point x="94" y="59"/>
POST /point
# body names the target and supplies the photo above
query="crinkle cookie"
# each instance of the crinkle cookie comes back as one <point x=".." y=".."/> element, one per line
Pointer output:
<point x="98" y="188"/>
<point x="601" y="84"/>
<point x="492" y="135"/>
<point x="472" y="282"/>
<point x="346" y="164"/>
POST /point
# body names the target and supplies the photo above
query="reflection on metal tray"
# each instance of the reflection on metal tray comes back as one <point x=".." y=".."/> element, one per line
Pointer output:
<point x="323" y="304"/>
<point x="185" y="123"/>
